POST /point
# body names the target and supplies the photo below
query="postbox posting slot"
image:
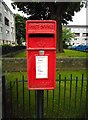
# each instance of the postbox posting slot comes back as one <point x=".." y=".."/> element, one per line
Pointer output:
<point x="41" y="35"/>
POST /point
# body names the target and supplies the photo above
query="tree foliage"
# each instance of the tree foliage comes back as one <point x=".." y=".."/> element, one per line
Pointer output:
<point x="62" y="12"/>
<point x="67" y="36"/>
<point x="20" y="28"/>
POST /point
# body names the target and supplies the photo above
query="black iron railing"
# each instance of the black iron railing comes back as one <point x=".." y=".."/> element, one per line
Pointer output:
<point x="68" y="100"/>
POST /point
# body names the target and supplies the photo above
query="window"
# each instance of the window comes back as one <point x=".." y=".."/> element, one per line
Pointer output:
<point x="6" y="21"/>
<point x="7" y="32"/>
<point x="85" y="34"/>
<point x="5" y="9"/>
<point x="77" y="34"/>
<point x="3" y="41"/>
<point x="12" y="29"/>
<point x="0" y="17"/>
<point x="0" y="29"/>
<point x="76" y="29"/>
<point x="86" y="38"/>
<point x="75" y="38"/>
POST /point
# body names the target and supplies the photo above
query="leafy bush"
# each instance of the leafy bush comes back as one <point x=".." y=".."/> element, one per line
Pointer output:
<point x="10" y="49"/>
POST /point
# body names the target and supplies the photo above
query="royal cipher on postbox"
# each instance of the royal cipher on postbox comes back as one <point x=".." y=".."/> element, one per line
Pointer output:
<point x="41" y="54"/>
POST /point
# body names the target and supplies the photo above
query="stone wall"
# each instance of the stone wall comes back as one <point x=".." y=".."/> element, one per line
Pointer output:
<point x="13" y="64"/>
<point x="72" y="64"/>
<point x="19" y="64"/>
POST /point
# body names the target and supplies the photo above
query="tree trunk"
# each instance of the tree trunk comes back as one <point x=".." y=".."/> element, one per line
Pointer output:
<point x="56" y="14"/>
<point x="59" y="35"/>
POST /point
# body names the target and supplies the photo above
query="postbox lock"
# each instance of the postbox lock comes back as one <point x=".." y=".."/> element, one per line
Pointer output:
<point x="41" y="52"/>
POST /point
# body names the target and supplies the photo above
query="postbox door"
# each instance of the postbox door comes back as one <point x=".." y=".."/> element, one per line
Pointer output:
<point x="41" y="70"/>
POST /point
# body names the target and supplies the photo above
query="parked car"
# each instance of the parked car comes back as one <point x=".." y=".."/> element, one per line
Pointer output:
<point x="72" y="47"/>
<point x="82" y="48"/>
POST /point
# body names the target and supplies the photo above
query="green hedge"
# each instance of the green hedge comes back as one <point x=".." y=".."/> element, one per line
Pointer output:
<point x="10" y="49"/>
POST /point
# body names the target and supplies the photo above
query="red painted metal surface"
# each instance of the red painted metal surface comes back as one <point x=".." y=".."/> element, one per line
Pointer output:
<point x="41" y="54"/>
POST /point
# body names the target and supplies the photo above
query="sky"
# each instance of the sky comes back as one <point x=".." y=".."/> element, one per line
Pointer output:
<point x="78" y="19"/>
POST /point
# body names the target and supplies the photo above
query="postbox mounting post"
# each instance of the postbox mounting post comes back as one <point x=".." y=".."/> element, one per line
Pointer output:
<point x="40" y="104"/>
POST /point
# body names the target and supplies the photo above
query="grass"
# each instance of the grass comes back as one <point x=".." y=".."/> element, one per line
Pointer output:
<point x="67" y="74"/>
<point x="67" y="53"/>
<point x="21" y="54"/>
<point x="75" y="74"/>
<point x="64" y="111"/>
<point x="61" y="108"/>
<point x="74" y="112"/>
<point x="71" y="53"/>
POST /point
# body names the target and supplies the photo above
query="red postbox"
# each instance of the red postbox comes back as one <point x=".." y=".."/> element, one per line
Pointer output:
<point x="41" y="54"/>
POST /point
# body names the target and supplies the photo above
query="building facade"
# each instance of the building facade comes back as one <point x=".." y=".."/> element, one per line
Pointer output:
<point x="81" y="34"/>
<point x="7" y="25"/>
